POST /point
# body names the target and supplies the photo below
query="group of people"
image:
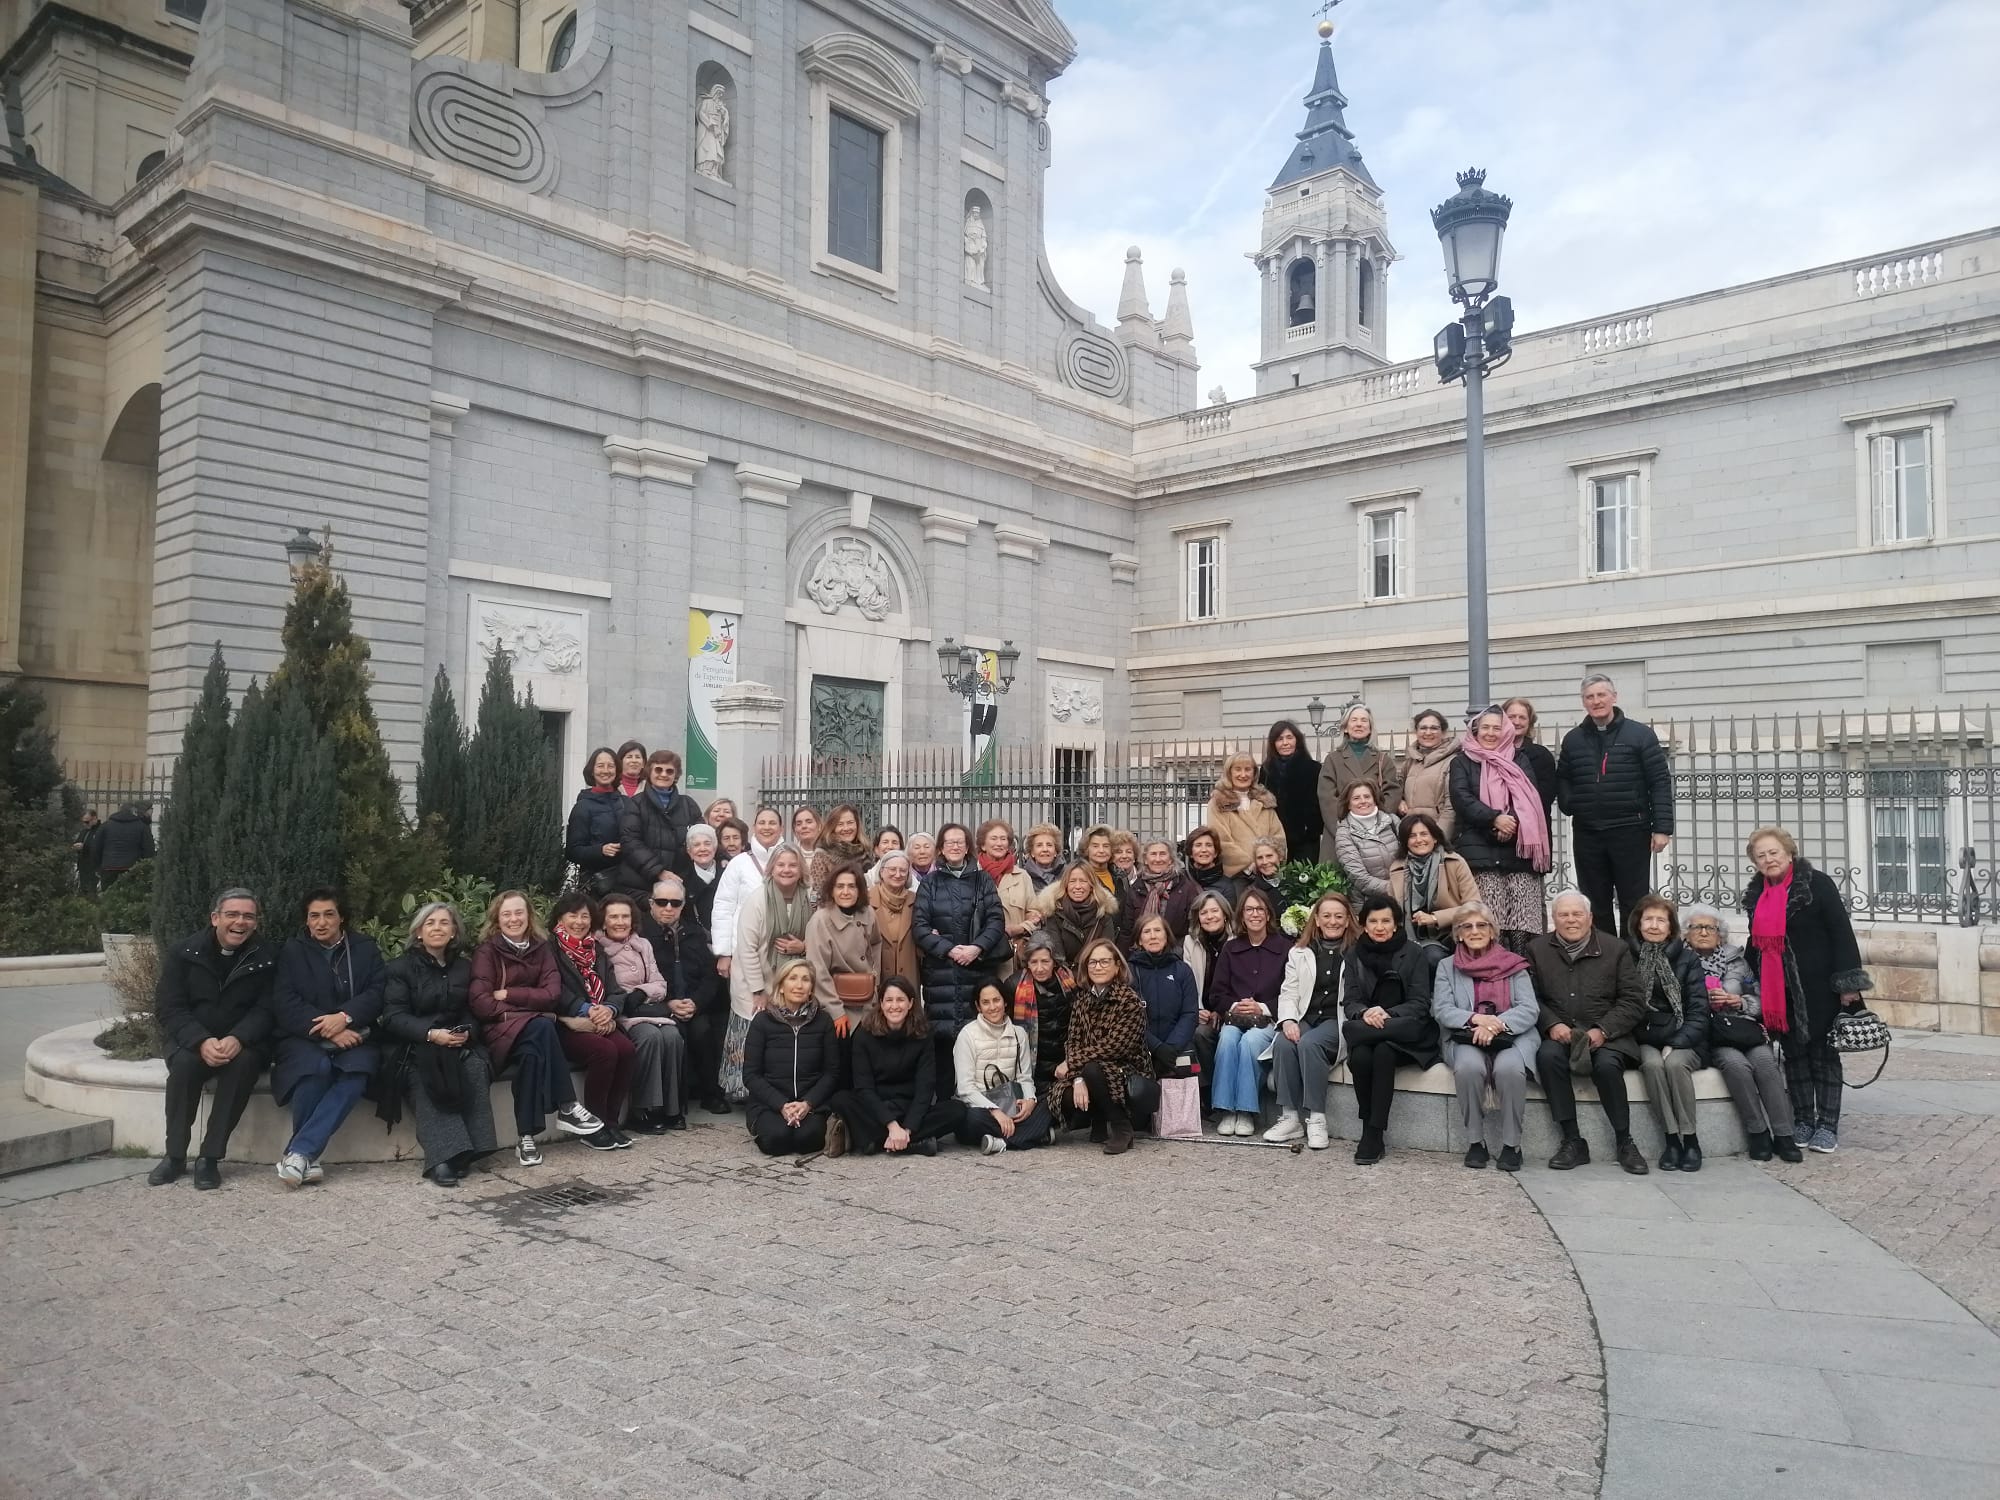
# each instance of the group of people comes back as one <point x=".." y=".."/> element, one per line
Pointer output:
<point x="856" y="992"/>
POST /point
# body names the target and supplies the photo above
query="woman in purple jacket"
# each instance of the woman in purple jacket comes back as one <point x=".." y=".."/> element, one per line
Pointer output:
<point x="1248" y="976"/>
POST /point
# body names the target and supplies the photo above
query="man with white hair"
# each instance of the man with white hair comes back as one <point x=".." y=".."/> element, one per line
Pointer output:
<point x="1612" y="779"/>
<point x="1587" y="984"/>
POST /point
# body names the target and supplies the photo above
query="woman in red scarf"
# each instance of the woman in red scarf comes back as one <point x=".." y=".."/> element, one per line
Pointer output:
<point x="591" y="1006"/>
<point x="994" y="844"/>
<point x="1484" y="1003"/>
<point x="1808" y="968"/>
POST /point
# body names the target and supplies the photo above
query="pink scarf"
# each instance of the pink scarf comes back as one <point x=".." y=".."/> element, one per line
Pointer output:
<point x="1505" y="787"/>
<point x="1767" y="936"/>
<point x="1490" y="972"/>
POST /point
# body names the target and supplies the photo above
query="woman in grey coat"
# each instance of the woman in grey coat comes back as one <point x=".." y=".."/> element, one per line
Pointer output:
<point x="1755" y="1077"/>
<point x="1483" y="1000"/>
<point x="1365" y="843"/>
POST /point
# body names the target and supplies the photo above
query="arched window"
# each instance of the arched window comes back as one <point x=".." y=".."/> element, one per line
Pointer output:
<point x="564" y="44"/>
<point x="1365" y="286"/>
<point x="150" y="163"/>
<point x="1301" y="303"/>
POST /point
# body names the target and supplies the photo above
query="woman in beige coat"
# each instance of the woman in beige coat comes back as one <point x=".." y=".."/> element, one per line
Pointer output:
<point x="843" y="948"/>
<point x="994" y="845"/>
<point x="1242" y="812"/>
<point x="1427" y="771"/>
<point x="1433" y="886"/>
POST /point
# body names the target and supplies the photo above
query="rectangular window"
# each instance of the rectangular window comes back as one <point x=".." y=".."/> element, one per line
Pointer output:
<point x="1908" y="812"/>
<point x="1386" y="540"/>
<point x="1614" y="523"/>
<point x="1900" y="476"/>
<point x="854" y="218"/>
<point x="1204" y="578"/>
<point x="1074" y="770"/>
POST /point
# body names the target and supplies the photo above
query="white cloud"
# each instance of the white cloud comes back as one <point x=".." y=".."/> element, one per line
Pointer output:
<point x="1652" y="150"/>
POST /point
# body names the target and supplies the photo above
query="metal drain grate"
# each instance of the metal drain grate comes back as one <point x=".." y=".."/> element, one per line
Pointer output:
<point x="569" y="1195"/>
<point x="538" y="1205"/>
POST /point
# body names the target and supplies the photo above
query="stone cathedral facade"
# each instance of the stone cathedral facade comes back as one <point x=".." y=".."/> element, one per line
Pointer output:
<point x="670" y="343"/>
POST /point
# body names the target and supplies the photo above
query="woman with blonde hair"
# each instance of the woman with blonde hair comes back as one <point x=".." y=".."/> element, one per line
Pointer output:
<point x="791" y="1065"/>
<point x="1076" y="911"/>
<point x="1240" y="812"/>
<point x="770" y="930"/>
<point x="1320" y="972"/>
<point x="1041" y="855"/>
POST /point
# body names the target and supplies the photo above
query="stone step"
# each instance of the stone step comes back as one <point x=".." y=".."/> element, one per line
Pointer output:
<point x="33" y="1135"/>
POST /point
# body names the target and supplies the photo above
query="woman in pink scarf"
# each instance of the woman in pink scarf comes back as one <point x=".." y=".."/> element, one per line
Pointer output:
<point x="1485" y="1006"/>
<point x="1503" y="826"/>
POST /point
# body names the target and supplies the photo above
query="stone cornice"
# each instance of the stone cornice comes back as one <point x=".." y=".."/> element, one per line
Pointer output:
<point x="1018" y="541"/>
<point x="648" y="459"/>
<point x="1124" y="568"/>
<point x="758" y="485"/>
<point x="952" y="527"/>
<point x="446" y="409"/>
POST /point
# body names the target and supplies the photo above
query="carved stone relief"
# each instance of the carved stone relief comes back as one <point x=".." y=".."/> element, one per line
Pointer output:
<point x="852" y="571"/>
<point x="1076" y="700"/>
<point x="1091" y="362"/>
<point x="541" y="642"/>
<point x="462" y="120"/>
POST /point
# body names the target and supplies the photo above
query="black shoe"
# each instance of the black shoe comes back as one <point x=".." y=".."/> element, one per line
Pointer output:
<point x="927" y="1146"/>
<point x="650" y="1122"/>
<point x="443" y="1175"/>
<point x="715" y="1104"/>
<point x="1670" y="1159"/>
<point x="1759" y="1145"/>
<point x="168" y="1169"/>
<point x="1476" y="1156"/>
<point x="1573" y="1152"/>
<point x="604" y="1140"/>
<point x="1631" y="1158"/>
<point x="1510" y="1159"/>
<point x="1371" y="1150"/>
<point x="1787" y="1148"/>
<point x="673" y="1122"/>
<point x="619" y="1138"/>
<point x="207" y="1173"/>
<point x="1690" y="1154"/>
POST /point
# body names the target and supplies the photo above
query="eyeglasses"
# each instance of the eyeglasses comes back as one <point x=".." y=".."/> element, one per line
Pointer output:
<point x="1102" y="962"/>
<point x="1703" y="927"/>
<point x="668" y="901"/>
<point x="1475" y="926"/>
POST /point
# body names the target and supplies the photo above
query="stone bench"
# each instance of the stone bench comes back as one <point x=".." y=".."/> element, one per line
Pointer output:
<point x="65" y="1070"/>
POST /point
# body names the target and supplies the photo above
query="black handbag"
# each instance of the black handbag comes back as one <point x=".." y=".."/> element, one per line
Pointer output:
<point x="1732" y="1028"/>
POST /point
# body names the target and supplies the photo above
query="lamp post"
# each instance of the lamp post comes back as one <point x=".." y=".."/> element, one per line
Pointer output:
<point x="302" y="550"/>
<point x="959" y="666"/>
<point x="1470" y="225"/>
<point x="1316" y="716"/>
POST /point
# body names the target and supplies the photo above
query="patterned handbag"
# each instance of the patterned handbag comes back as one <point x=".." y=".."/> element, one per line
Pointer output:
<point x="1860" y="1030"/>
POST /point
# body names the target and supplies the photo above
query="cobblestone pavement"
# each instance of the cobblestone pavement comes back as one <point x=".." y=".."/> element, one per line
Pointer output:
<point x="1925" y="1187"/>
<point x="1187" y="1321"/>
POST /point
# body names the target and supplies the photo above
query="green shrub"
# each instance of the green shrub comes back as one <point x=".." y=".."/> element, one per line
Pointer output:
<point x="188" y="879"/>
<point x="132" y="1039"/>
<point x="471" y="894"/>
<point x="128" y="905"/>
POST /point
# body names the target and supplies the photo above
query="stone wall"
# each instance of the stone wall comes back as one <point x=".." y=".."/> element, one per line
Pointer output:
<point x="1934" y="978"/>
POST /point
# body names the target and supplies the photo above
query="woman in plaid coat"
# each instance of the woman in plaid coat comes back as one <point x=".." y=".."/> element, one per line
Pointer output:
<point x="1105" y="1079"/>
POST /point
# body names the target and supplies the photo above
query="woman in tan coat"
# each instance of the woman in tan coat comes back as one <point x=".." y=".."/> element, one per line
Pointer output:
<point x="1427" y="770"/>
<point x="1355" y="758"/>
<point x="893" y="899"/>
<point x="844" y="949"/>
<point x="1433" y="886"/>
<point x="994" y="845"/>
<point x="1241" y="812"/>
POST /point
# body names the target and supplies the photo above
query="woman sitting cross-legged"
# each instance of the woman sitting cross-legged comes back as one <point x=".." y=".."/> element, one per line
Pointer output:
<point x="893" y="1105"/>
<point x="434" y="1053"/>
<point x="1673" y="1039"/>
<point x="993" y="1066"/>
<point x="517" y="994"/>
<point x="1738" y="1044"/>
<point x="1248" y="977"/>
<point x="1388" y="1020"/>
<point x="659" y="1067"/>
<point x="1483" y="1001"/>
<point x="592" y="1005"/>
<point x="791" y="1064"/>
<point x="1106" y="1076"/>
<point x="1320" y="970"/>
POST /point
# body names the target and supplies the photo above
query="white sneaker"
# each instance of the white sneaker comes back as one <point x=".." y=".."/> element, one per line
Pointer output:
<point x="292" y="1169"/>
<point x="314" y="1171"/>
<point x="576" y="1120"/>
<point x="1246" y="1124"/>
<point x="1286" y="1131"/>
<point x="527" y="1153"/>
<point x="1316" y="1137"/>
<point x="1227" y="1124"/>
<point x="993" y="1145"/>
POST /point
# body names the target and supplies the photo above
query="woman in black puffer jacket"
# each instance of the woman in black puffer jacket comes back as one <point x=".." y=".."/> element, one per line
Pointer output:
<point x="791" y="1065"/>
<point x="434" y="1050"/>
<point x="1673" y="1039"/>
<point x="894" y="1104"/>
<point x="591" y="840"/>
<point x="961" y="932"/>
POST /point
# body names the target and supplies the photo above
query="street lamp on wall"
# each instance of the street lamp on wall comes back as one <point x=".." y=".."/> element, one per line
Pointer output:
<point x="1470" y="226"/>
<point x="959" y="666"/>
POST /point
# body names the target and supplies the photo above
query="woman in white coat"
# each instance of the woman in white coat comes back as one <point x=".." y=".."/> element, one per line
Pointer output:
<point x="743" y="875"/>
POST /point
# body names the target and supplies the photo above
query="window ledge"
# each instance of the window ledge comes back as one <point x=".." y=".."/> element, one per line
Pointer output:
<point x="860" y="275"/>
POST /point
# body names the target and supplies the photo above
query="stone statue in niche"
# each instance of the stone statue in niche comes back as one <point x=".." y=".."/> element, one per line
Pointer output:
<point x="975" y="247"/>
<point x="850" y="572"/>
<point x="711" y="133"/>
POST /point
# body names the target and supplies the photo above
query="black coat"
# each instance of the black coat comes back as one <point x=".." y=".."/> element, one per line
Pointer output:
<point x="1659" y="1029"/>
<point x="1615" y="778"/>
<point x="420" y="995"/>
<point x="1475" y="840"/>
<point x="686" y="963"/>
<point x="309" y="985"/>
<point x="123" y="839"/>
<point x="593" y="822"/>
<point x="1600" y="989"/>
<point x="654" y="838"/>
<point x="1294" y="781"/>
<point x="895" y="1077"/>
<point x="1822" y="958"/>
<point x="1404" y="991"/>
<point x="701" y="893"/>
<point x="954" y="909"/>
<point x="196" y="1002"/>
<point x="782" y="1063"/>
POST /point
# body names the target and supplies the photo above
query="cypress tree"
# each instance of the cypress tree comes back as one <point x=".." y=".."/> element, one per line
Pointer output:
<point x="40" y="908"/>
<point x="242" y="826"/>
<point x="511" y="832"/>
<point x="185" y="879"/>
<point x="441" y="769"/>
<point x="326" y="668"/>
<point x="275" y="832"/>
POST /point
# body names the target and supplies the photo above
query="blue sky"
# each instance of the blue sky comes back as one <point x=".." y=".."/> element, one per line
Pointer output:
<point x="1652" y="149"/>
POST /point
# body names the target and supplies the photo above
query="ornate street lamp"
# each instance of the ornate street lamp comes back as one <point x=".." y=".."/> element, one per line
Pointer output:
<point x="302" y="550"/>
<point x="1470" y="226"/>
<point x="959" y="666"/>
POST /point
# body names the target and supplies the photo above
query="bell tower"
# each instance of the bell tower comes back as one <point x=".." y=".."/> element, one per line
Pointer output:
<point x="1325" y="255"/>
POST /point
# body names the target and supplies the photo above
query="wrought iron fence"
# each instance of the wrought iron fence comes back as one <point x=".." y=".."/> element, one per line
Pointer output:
<point x="108" y="786"/>
<point x="1900" y="809"/>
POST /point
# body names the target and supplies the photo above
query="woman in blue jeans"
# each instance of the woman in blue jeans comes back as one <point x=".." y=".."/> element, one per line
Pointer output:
<point x="1249" y="973"/>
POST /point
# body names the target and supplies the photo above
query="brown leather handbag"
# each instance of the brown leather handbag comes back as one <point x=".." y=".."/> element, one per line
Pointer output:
<point x="854" y="989"/>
